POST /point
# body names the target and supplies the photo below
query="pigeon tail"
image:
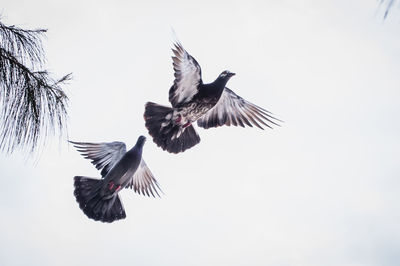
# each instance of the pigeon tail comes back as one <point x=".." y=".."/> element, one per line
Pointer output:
<point x="167" y="133"/>
<point x="104" y="208"/>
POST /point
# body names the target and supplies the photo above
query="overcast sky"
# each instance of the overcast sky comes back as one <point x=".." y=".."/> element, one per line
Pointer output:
<point x="323" y="189"/>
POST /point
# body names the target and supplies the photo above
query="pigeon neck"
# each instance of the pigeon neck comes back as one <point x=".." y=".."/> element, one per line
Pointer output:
<point x="139" y="149"/>
<point x="139" y="144"/>
<point x="220" y="82"/>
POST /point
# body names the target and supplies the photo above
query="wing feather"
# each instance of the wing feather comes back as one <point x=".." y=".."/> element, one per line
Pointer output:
<point x="103" y="155"/>
<point x="187" y="76"/>
<point x="232" y="109"/>
<point x="143" y="181"/>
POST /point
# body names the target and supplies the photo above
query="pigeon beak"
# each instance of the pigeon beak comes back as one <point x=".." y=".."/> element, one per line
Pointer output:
<point x="231" y="74"/>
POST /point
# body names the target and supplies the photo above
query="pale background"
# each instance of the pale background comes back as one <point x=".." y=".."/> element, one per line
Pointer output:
<point x="321" y="190"/>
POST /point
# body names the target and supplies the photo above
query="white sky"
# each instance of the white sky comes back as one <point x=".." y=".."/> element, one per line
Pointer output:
<point x="321" y="190"/>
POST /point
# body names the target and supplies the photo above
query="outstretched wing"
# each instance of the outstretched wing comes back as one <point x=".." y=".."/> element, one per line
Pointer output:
<point x="232" y="109"/>
<point x="143" y="181"/>
<point x="103" y="155"/>
<point x="187" y="76"/>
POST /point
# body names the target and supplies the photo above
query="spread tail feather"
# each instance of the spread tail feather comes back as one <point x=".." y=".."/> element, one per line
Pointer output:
<point x="93" y="204"/>
<point x="165" y="133"/>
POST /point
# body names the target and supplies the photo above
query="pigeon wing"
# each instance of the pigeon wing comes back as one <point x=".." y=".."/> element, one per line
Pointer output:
<point x="231" y="109"/>
<point x="143" y="181"/>
<point x="187" y="76"/>
<point x="103" y="155"/>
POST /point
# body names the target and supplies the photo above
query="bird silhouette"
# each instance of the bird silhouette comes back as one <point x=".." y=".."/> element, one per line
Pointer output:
<point x="211" y="105"/>
<point x="98" y="198"/>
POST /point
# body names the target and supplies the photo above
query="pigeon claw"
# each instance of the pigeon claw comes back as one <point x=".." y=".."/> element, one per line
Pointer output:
<point x="112" y="185"/>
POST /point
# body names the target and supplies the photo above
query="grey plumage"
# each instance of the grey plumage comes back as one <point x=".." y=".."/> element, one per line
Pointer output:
<point x="98" y="198"/>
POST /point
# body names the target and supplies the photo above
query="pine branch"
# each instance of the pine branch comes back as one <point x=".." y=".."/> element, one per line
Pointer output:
<point x="32" y="103"/>
<point x="27" y="44"/>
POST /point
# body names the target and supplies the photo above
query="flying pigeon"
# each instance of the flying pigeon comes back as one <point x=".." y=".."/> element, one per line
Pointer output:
<point x="98" y="198"/>
<point x="211" y="105"/>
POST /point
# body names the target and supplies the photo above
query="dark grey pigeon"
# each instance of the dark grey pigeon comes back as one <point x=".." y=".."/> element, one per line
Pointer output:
<point x="98" y="198"/>
<point x="211" y="105"/>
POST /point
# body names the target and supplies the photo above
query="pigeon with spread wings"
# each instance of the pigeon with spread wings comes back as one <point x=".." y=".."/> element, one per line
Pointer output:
<point x="98" y="198"/>
<point x="211" y="105"/>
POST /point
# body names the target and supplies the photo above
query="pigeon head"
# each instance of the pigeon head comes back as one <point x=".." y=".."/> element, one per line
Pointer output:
<point x="141" y="140"/>
<point x="226" y="75"/>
